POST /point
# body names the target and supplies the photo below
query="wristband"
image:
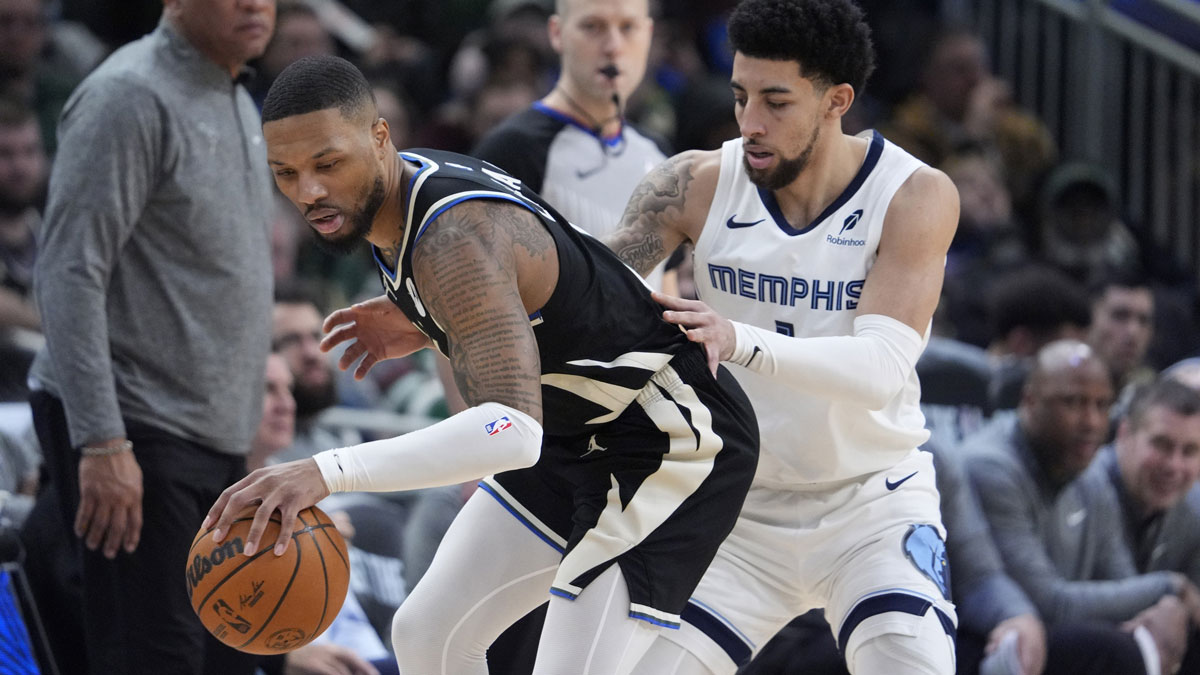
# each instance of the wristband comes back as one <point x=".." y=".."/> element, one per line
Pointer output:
<point x="104" y="450"/>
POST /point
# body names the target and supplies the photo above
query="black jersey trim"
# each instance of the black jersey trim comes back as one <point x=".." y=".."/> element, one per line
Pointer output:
<point x="425" y="165"/>
<point x="868" y="165"/>
<point x="481" y="195"/>
<point x="567" y="119"/>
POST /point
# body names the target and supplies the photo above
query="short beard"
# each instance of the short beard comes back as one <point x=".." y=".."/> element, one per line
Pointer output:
<point x="312" y="400"/>
<point x="360" y="224"/>
<point x="787" y="170"/>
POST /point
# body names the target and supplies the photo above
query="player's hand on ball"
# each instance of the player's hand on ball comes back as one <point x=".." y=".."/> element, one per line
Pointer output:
<point x="286" y="488"/>
<point x="376" y="330"/>
<point x="701" y="324"/>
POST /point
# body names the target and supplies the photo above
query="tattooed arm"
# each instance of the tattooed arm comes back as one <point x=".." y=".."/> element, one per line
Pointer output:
<point x="668" y="207"/>
<point x="481" y="267"/>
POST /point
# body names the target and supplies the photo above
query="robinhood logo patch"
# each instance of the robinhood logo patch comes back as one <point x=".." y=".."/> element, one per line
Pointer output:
<point x="847" y="225"/>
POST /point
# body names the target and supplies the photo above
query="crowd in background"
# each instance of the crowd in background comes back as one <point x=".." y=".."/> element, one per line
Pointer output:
<point x="1045" y="254"/>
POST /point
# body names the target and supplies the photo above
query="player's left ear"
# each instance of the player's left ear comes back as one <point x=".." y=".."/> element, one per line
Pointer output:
<point x="381" y="134"/>
<point x="838" y="99"/>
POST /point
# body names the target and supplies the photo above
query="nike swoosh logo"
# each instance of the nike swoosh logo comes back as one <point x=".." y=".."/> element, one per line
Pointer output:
<point x="892" y="486"/>
<point x="584" y="175"/>
<point x="733" y="224"/>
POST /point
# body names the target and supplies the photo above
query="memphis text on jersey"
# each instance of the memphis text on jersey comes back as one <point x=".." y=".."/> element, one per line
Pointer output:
<point x="831" y="295"/>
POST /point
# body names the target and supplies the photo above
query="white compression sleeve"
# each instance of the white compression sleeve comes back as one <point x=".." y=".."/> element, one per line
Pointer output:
<point x="477" y="442"/>
<point x="868" y="368"/>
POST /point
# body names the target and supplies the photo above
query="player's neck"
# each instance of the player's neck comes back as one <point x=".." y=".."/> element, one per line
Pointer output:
<point x="387" y="230"/>
<point x="600" y="116"/>
<point x="832" y="167"/>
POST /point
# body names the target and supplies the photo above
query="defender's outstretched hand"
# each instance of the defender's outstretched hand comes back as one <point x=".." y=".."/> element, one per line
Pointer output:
<point x="378" y="330"/>
<point x="701" y="324"/>
<point x="286" y="488"/>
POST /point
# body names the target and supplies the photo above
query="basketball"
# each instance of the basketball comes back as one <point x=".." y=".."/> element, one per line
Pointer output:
<point x="264" y="603"/>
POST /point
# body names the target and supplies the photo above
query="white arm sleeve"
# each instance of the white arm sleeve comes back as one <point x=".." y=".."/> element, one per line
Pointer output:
<point x="477" y="442"/>
<point x="868" y="368"/>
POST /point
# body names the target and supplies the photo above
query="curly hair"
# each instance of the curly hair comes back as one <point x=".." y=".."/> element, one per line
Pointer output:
<point x="318" y="83"/>
<point x="830" y="39"/>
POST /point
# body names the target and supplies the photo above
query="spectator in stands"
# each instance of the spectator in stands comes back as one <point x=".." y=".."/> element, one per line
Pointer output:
<point x="23" y="169"/>
<point x="1122" y="327"/>
<point x="154" y="280"/>
<point x="24" y="76"/>
<point x="987" y="243"/>
<point x="298" y="33"/>
<point x="1029" y="308"/>
<point x="1052" y="533"/>
<point x="1152" y="469"/>
<point x="296" y="335"/>
<point x="1151" y="472"/>
<point x="277" y="428"/>
<point x="1186" y="371"/>
<point x="960" y="100"/>
<point x="1079" y="228"/>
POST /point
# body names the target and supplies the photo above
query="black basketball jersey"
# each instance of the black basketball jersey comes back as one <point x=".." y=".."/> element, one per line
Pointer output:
<point x="600" y="335"/>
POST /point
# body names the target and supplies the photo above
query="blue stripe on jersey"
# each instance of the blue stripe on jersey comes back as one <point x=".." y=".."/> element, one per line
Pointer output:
<point x="562" y="594"/>
<point x="654" y="621"/>
<point x="891" y="602"/>
<point x="716" y="630"/>
<point x="567" y="119"/>
<point x="768" y="197"/>
<point x="391" y="273"/>
<point x="508" y="507"/>
<point x="491" y="195"/>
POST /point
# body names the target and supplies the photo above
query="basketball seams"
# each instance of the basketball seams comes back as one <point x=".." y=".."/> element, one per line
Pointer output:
<point x="201" y="535"/>
<point x="324" y="572"/>
<point x="282" y="596"/>
<point x="232" y="573"/>
<point x="265" y="639"/>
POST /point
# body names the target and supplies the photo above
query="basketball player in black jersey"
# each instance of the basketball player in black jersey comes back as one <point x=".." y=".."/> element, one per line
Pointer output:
<point x="609" y="439"/>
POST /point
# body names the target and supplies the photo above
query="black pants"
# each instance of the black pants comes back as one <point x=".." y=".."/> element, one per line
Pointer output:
<point x="136" y="615"/>
<point x="1071" y="649"/>
<point x="806" y="645"/>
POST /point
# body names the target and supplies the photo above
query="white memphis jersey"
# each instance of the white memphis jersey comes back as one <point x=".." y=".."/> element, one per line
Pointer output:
<point x="752" y="266"/>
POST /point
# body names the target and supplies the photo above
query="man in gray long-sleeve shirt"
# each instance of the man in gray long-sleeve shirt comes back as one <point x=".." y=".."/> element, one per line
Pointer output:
<point x="154" y="284"/>
<point x="1151" y="474"/>
<point x="1054" y="536"/>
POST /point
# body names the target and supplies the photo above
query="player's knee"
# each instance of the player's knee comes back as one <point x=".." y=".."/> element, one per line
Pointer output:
<point x="414" y="634"/>
<point x="917" y="647"/>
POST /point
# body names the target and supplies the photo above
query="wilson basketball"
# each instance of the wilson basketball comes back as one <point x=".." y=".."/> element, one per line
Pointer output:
<point x="264" y="603"/>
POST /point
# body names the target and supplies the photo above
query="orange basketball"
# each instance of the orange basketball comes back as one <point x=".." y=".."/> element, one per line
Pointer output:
<point x="264" y="603"/>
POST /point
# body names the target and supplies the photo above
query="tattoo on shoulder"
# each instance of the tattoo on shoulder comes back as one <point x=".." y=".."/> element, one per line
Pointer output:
<point x="639" y="242"/>
<point x="466" y="267"/>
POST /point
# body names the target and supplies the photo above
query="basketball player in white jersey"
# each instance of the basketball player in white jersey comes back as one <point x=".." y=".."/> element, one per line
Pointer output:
<point x="819" y="260"/>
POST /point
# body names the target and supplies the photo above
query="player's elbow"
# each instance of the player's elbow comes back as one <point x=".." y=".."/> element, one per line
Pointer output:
<point x="530" y="450"/>
<point x="516" y="436"/>
<point x="891" y="358"/>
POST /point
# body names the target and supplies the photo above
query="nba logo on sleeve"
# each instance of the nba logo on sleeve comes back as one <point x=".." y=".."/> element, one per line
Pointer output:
<point x="495" y="427"/>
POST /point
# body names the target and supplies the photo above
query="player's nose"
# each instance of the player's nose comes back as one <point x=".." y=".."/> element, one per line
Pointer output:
<point x="311" y="190"/>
